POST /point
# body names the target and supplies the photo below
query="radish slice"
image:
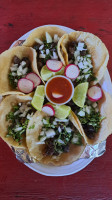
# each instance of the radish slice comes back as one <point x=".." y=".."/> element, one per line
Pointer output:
<point x="94" y="93"/>
<point x="34" y="78"/>
<point x="25" y="85"/>
<point x="57" y="95"/>
<point x="72" y="71"/>
<point x="48" y="109"/>
<point x="54" y="65"/>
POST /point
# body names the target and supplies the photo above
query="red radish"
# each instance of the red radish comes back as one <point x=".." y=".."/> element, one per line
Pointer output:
<point x="35" y="78"/>
<point x="25" y="85"/>
<point x="72" y="71"/>
<point x="94" y="93"/>
<point x="48" y="109"/>
<point x="57" y="95"/>
<point x="54" y="65"/>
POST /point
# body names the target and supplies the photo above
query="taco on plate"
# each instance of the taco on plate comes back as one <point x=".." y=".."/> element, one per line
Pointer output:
<point x="44" y="40"/>
<point x="94" y="119"/>
<point x="15" y="64"/>
<point x="15" y="112"/>
<point x="54" y="141"/>
<point x="86" y="51"/>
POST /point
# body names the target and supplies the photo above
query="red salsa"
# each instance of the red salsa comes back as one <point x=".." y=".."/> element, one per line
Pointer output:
<point x="61" y="87"/>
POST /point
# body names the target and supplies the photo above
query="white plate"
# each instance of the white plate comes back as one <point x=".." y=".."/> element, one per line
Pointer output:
<point x="81" y="163"/>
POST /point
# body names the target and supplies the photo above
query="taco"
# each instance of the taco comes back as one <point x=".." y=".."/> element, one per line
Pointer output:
<point x="54" y="141"/>
<point x="94" y="119"/>
<point x="15" y="112"/>
<point x="44" y="40"/>
<point x="15" y="64"/>
<point x="86" y="51"/>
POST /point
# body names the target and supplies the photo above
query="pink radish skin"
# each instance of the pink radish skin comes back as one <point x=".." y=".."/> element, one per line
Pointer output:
<point x="34" y="78"/>
<point x="57" y="95"/>
<point x="95" y="93"/>
<point x="54" y="65"/>
<point x="48" y="109"/>
<point x="26" y="86"/>
<point x="72" y="71"/>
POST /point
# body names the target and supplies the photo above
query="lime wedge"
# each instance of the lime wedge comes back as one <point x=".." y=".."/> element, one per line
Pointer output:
<point x="80" y="92"/>
<point x="38" y="98"/>
<point x="46" y="73"/>
<point x="61" y="111"/>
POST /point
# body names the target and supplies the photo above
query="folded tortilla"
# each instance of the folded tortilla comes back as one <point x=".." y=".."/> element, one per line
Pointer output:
<point x="36" y="149"/>
<point x="105" y="108"/>
<point x="96" y="47"/>
<point x="6" y="61"/>
<point x="40" y="34"/>
<point x="5" y="108"/>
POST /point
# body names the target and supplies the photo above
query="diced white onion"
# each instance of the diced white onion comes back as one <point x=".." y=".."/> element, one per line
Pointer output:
<point x="81" y="113"/>
<point x="16" y="80"/>
<point x="59" y="129"/>
<point x="14" y="67"/>
<point x="86" y="70"/>
<point x="60" y="141"/>
<point x="42" y="56"/>
<point x="14" y="74"/>
<point x="44" y="121"/>
<point x="25" y="70"/>
<point x="76" y="54"/>
<point x="87" y="76"/>
<point x="50" y="133"/>
<point x="68" y="129"/>
<point x="28" y="116"/>
<point x="55" y="56"/>
<point x="23" y="63"/>
<point x="48" y="38"/>
<point x="38" y="41"/>
<point x="61" y="120"/>
<point x="88" y="109"/>
<point x="40" y="142"/>
<point x="78" y="58"/>
<point x="81" y="66"/>
<point x="17" y="112"/>
<point x="19" y="73"/>
<point x="42" y="133"/>
<point x="56" y="38"/>
<point x="94" y="105"/>
<point x="41" y="47"/>
<point x="75" y="139"/>
<point x="88" y="55"/>
<point x="47" y="51"/>
<point x="18" y="129"/>
<point x="54" y="123"/>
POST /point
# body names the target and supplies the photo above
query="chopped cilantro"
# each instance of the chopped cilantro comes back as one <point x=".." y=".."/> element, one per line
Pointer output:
<point x="17" y="124"/>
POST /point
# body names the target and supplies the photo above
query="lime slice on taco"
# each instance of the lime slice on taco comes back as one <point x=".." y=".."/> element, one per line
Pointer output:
<point x="61" y="111"/>
<point x="38" y="98"/>
<point x="46" y="73"/>
<point x="80" y="92"/>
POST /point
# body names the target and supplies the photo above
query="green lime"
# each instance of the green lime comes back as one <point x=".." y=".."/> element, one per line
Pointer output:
<point x="61" y="111"/>
<point x="38" y="98"/>
<point x="80" y="92"/>
<point x="46" y="73"/>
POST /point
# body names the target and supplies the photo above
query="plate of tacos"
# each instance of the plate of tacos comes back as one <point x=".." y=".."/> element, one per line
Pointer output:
<point x="56" y="97"/>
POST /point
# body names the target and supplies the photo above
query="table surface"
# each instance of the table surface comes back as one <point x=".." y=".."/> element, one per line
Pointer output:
<point x="16" y="180"/>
